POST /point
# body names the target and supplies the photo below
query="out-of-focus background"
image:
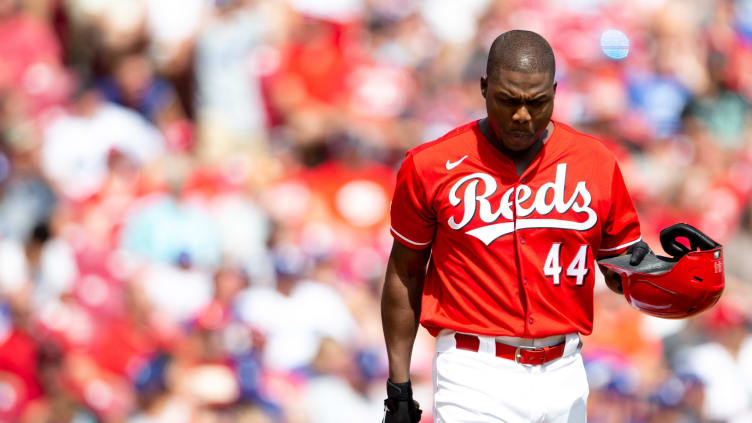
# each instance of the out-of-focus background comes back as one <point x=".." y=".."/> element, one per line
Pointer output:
<point x="194" y="196"/>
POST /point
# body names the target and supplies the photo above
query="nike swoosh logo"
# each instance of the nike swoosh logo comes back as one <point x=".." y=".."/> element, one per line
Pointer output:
<point x="452" y="165"/>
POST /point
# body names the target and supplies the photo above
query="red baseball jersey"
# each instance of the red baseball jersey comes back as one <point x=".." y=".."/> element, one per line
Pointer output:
<point x="511" y="255"/>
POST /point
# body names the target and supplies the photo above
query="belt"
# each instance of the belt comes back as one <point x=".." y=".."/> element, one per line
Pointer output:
<point x="522" y="355"/>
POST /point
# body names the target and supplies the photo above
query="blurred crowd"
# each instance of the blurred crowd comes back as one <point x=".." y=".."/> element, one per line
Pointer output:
<point x="194" y="197"/>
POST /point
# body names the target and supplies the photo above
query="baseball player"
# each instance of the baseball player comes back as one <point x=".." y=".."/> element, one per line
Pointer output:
<point x="496" y="227"/>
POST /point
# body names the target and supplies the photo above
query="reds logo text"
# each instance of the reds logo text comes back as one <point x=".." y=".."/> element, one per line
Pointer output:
<point x="475" y="201"/>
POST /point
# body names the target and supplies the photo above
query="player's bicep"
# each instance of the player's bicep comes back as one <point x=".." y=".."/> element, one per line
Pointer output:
<point x="405" y="273"/>
<point x="408" y="263"/>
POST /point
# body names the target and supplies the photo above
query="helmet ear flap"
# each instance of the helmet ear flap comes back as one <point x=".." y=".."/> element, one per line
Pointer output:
<point x="697" y="240"/>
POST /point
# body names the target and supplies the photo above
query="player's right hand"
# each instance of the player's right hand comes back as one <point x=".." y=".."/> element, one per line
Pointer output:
<point x="637" y="252"/>
<point x="399" y="406"/>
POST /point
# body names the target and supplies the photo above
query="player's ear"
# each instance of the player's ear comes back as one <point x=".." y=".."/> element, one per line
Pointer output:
<point x="483" y="86"/>
<point x="555" y="84"/>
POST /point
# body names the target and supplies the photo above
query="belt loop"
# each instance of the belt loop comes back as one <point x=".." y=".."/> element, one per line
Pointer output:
<point x="445" y="341"/>
<point x="572" y="343"/>
<point x="487" y="345"/>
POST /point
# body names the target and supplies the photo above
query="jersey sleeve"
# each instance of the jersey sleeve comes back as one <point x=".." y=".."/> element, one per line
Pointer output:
<point x="413" y="221"/>
<point x="622" y="227"/>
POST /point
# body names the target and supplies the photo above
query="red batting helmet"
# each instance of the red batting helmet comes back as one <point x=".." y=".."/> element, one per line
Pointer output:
<point x="683" y="285"/>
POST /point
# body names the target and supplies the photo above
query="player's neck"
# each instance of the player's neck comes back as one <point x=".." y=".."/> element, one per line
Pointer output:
<point x="522" y="158"/>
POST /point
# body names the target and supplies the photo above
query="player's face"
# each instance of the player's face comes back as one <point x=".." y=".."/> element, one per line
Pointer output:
<point x="519" y="106"/>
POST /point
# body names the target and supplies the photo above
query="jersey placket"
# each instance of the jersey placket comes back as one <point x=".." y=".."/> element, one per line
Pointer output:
<point x="519" y="243"/>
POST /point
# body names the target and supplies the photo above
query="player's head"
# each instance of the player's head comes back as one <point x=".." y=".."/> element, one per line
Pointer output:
<point x="519" y="88"/>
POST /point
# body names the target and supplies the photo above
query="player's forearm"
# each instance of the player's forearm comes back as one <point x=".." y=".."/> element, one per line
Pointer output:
<point x="400" y="313"/>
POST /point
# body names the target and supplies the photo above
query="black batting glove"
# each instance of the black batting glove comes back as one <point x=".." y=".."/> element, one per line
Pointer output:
<point x="399" y="406"/>
<point x="637" y="252"/>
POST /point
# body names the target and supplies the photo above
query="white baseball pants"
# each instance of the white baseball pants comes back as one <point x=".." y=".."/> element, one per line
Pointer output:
<point x="478" y="387"/>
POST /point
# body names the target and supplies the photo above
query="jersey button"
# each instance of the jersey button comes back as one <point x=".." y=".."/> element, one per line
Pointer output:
<point x="522" y="240"/>
<point x="523" y="180"/>
<point x="530" y="320"/>
<point x="524" y="281"/>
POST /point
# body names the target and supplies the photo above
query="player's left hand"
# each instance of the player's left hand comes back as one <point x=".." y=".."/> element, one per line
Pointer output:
<point x="637" y="252"/>
<point x="400" y="407"/>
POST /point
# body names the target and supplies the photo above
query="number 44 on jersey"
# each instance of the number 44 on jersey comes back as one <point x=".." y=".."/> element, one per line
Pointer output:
<point x="577" y="267"/>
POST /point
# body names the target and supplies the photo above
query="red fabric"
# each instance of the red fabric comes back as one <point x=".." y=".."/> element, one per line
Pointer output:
<point x="25" y="41"/>
<point x="328" y="180"/>
<point x="318" y="60"/>
<point x="122" y="347"/>
<point x="493" y="236"/>
<point x="18" y="356"/>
